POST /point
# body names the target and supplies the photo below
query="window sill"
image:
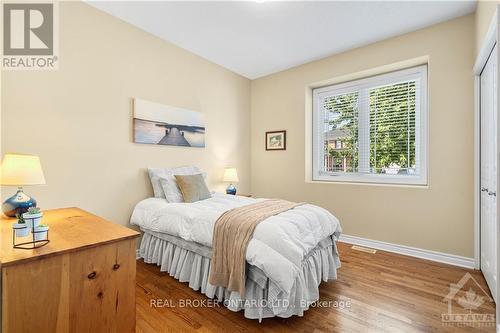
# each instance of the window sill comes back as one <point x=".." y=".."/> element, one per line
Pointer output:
<point x="364" y="183"/>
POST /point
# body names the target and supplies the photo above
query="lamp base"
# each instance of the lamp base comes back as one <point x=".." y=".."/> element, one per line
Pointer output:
<point x="18" y="203"/>
<point x="231" y="189"/>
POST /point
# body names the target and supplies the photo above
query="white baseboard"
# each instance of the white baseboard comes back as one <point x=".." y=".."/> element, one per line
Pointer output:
<point x="410" y="251"/>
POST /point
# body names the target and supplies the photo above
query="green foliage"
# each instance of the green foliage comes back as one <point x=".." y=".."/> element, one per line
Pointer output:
<point x="344" y="117"/>
<point x="20" y="218"/>
<point x="34" y="210"/>
<point x="392" y="126"/>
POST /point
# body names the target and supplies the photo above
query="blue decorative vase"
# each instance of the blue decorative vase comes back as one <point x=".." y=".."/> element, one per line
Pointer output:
<point x="18" y="203"/>
<point x="231" y="189"/>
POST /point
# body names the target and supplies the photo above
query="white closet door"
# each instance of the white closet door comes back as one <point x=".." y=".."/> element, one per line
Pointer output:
<point x="489" y="157"/>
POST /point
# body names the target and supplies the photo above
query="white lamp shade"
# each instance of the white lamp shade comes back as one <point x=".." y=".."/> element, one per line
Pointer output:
<point x="230" y="175"/>
<point x="18" y="170"/>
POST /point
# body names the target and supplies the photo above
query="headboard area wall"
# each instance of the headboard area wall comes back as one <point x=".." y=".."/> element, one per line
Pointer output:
<point x="79" y="118"/>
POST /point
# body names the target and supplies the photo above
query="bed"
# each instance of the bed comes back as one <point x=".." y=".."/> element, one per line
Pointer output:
<point x="288" y="257"/>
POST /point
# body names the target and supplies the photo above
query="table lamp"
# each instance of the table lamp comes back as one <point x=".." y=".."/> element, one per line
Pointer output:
<point x="19" y="170"/>
<point x="231" y="175"/>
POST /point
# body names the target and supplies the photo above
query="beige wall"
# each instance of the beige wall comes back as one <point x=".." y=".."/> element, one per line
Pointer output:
<point x="484" y="13"/>
<point x="439" y="217"/>
<point x="78" y="119"/>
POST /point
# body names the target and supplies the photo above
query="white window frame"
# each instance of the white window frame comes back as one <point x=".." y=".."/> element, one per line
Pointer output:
<point x="421" y="116"/>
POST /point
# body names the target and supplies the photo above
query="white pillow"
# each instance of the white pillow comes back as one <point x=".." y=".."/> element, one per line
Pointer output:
<point x="173" y="192"/>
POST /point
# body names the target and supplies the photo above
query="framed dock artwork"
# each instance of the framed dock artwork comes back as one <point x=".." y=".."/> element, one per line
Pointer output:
<point x="161" y="124"/>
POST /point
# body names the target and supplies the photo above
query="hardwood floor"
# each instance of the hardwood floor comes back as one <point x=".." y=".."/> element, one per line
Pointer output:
<point x="387" y="293"/>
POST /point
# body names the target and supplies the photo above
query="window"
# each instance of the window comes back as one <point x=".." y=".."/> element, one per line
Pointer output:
<point x="372" y="130"/>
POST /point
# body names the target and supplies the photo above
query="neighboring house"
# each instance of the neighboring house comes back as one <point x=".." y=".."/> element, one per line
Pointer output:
<point x="335" y="141"/>
<point x="335" y="161"/>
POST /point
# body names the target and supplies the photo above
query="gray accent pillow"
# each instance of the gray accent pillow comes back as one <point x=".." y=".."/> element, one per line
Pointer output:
<point x="193" y="187"/>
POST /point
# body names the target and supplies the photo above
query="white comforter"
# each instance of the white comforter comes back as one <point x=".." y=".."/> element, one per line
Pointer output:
<point x="279" y="244"/>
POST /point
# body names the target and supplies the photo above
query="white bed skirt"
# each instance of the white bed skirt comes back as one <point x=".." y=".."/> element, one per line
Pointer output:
<point x="264" y="298"/>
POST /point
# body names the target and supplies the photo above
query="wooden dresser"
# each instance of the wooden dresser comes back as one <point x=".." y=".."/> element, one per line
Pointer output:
<point x="82" y="281"/>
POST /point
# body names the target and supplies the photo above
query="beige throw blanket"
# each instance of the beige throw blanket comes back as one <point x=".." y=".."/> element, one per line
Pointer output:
<point x="232" y="233"/>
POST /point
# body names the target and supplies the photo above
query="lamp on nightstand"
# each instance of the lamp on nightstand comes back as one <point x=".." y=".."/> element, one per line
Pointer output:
<point x="19" y="170"/>
<point x="230" y="176"/>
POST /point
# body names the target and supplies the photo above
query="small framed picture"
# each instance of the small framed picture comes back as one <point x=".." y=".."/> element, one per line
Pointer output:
<point x="276" y="140"/>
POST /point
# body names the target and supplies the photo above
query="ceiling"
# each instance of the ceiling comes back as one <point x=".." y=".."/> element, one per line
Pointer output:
<point x="257" y="38"/>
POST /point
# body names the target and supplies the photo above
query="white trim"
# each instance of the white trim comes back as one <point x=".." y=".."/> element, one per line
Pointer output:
<point x="416" y="187"/>
<point x="419" y="73"/>
<point x="137" y="255"/>
<point x="489" y="42"/>
<point x="372" y="71"/>
<point x="496" y="23"/>
<point x="477" y="174"/>
<point x="395" y="76"/>
<point x="308" y="109"/>
<point x="441" y="257"/>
